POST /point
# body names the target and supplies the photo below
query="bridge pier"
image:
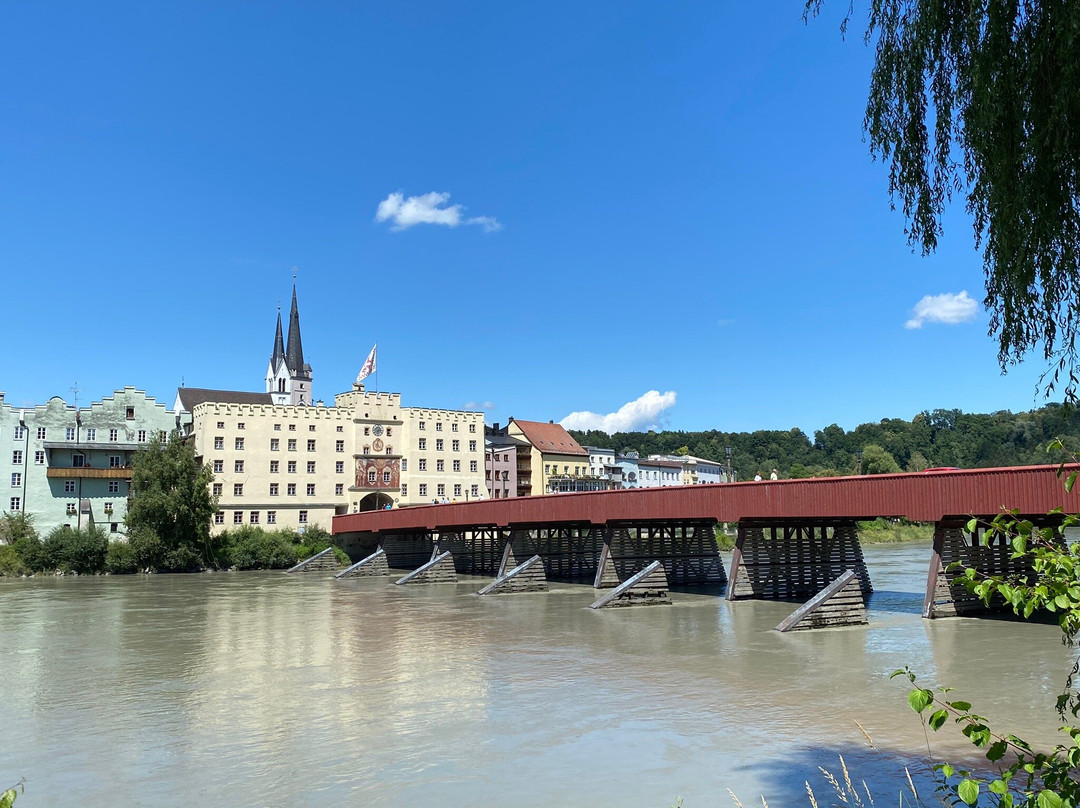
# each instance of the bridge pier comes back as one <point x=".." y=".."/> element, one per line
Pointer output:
<point x="794" y="560"/>
<point x="408" y="550"/>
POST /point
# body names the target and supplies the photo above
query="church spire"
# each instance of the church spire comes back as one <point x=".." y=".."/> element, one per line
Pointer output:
<point x="294" y="353"/>
<point x="279" y="345"/>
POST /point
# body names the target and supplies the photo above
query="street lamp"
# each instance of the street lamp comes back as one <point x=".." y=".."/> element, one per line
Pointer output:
<point x="727" y="451"/>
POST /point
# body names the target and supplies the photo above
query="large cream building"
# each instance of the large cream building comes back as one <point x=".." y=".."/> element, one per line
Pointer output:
<point x="294" y="465"/>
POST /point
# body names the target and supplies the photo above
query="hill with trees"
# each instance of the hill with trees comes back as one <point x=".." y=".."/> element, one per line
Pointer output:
<point x="931" y="439"/>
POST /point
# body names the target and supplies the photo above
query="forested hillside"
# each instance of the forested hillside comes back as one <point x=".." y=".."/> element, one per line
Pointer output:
<point x="930" y="439"/>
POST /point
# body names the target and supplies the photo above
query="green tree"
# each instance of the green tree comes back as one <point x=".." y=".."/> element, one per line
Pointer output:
<point x="982" y="98"/>
<point x="16" y="526"/>
<point x="171" y="507"/>
<point x="917" y="462"/>
<point x="875" y="460"/>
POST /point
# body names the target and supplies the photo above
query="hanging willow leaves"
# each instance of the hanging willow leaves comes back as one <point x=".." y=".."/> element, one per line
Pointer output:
<point x="982" y="98"/>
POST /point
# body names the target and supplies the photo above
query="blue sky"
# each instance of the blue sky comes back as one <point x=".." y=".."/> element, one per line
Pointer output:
<point x="672" y="197"/>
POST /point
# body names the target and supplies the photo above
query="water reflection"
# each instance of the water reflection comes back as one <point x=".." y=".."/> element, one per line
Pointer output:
<point x="264" y="689"/>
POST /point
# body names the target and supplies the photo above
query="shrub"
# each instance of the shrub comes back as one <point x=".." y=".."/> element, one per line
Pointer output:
<point x="252" y="548"/>
<point x="71" y="550"/>
<point x="29" y="550"/>
<point x="15" y="526"/>
<point x="120" y="559"/>
<point x="11" y="565"/>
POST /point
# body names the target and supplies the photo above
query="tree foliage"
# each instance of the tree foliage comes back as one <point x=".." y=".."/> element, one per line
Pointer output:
<point x="169" y="515"/>
<point x="983" y="98"/>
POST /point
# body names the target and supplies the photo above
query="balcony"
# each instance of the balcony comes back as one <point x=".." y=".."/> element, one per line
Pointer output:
<point x="88" y="473"/>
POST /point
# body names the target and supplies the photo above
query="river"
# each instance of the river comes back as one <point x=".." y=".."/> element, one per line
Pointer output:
<point x="253" y="689"/>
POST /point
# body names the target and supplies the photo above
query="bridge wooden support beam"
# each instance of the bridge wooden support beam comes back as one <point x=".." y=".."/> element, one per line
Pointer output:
<point x="649" y="587"/>
<point x="839" y="604"/>
<point x="794" y="560"/>
<point x="439" y="570"/>
<point x="405" y="551"/>
<point x="374" y="565"/>
<point x="987" y="551"/>
<point x="527" y="577"/>
<point x="324" y="561"/>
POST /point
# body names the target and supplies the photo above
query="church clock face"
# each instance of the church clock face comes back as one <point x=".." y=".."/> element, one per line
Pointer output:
<point x="377" y="429"/>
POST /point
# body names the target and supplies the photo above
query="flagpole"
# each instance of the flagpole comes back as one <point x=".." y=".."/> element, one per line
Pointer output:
<point x="376" y="352"/>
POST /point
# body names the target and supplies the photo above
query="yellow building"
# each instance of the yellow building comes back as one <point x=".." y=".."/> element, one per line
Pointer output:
<point x="557" y="462"/>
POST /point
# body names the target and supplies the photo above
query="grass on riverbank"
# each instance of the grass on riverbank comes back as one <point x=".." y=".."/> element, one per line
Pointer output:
<point x="879" y="531"/>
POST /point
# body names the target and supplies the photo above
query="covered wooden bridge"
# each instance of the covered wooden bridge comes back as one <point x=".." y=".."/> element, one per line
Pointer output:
<point x="793" y="536"/>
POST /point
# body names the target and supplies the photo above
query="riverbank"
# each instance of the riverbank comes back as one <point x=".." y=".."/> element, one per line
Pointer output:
<point x="879" y="531"/>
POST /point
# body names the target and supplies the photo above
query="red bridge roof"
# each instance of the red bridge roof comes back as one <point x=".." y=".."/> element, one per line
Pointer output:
<point x="922" y="497"/>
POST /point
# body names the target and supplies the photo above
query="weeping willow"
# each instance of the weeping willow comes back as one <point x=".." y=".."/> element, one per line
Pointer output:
<point x="982" y="99"/>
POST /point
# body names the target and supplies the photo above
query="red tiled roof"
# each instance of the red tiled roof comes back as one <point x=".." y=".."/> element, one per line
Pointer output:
<point x="550" y="438"/>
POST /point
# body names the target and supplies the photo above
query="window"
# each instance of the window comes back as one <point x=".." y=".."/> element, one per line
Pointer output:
<point x="472" y="465"/>
<point x="292" y="427"/>
<point x="114" y="486"/>
<point x="292" y="467"/>
<point x="16" y="458"/>
<point x="217" y="489"/>
<point x="275" y="444"/>
<point x="302" y="518"/>
<point x="389" y="432"/>
<point x="116" y="462"/>
<point x="422" y="425"/>
<point x="292" y="443"/>
<point x="311" y="427"/>
<point x="311" y="446"/>
<point x="219" y="443"/>
<point x="108" y="507"/>
<point x="219" y="518"/>
<point x="367" y="430"/>
<point x="475" y="490"/>
<point x="238" y="467"/>
<point x="142" y="436"/>
<point x="457" y="490"/>
<point x="371" y="477"/>
<point x="253" y="517"/>
<point x="438" y="444"/>
<point x="220" y="424"/>
<point x="340" y="429"/>
<point x="423" y="444"/>
<point x="453" y="427"/>
<point x="547" y="469"/>
<point x="238" y="517"/>
<point x="91" y="434"/>
<point x="422" y="464"/>
<point x="438" y="465"/>
<point x="41" y="433"/>
<point x="339" y="446"/>
<point x="472" y="428"/>
<point x="386" y="477"/>
<point x="69" y="486"/>
<point x="39" y="458"/>
<point x="440" y="490"/>
<point x="271" y="517"/>
<point x="455" y="446"/>
<point x="71" y="509"/>
<point x="238" y="489"/>
<point x="273" y="489"/>
<point x="311" y="489"/>
<point x="389" y="449"/>
<point x="219" y="466"/>
<point x="457" y="465"/>
<point x="290" y="489"/>
<point x="69" y="433"/>
<point x="438" y="426"/>
<point x="16" y="480"/>
<point x="311" y="467"/>
<point x="20" y="432"/>
<point x="239" y="444"/>
<point x="114" y="435"/>
<point x="239" y="424"/>
<point x="78" y="461"/>
<point x="273" y="467"/>
<point x="423" y="489"/>
<point x="339" y="489"/>
<point x="277" y="428"/>
<point x="339" y="467"/>
<point x="472" y="446"/>
<point x="129" y="413"/>
<point x="404" y="464"/>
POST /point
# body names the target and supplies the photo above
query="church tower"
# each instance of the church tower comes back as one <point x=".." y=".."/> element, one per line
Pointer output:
<point x="288" y="377"/>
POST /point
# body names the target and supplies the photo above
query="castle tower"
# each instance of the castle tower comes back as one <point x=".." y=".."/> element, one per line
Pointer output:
<point x="288" y="377"/>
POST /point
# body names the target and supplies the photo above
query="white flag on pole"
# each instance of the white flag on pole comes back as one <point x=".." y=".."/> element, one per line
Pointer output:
<point x="369" y="365"/>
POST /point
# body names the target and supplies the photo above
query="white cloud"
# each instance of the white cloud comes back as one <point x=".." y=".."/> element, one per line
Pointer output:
<point x="642" y="413"/>
<point x="945" y="308"/>
<point x="475" y="406"/>
<point x="428" y="209"/>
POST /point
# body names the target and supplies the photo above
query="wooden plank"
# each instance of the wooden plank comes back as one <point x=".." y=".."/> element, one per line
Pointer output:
<point x="846" y="580"/>
<point x="646" y="588"/>
<point x="527" y="577"/>
<point x="320" y="562"/>
<point x="440" y="570"/>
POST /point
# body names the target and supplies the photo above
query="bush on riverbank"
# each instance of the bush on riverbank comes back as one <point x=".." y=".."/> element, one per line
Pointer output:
<point x="120" y="559"/>
<point x="65" y="549"/>
<point x="251" y="547"/>
<point x="885" y="531"/>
